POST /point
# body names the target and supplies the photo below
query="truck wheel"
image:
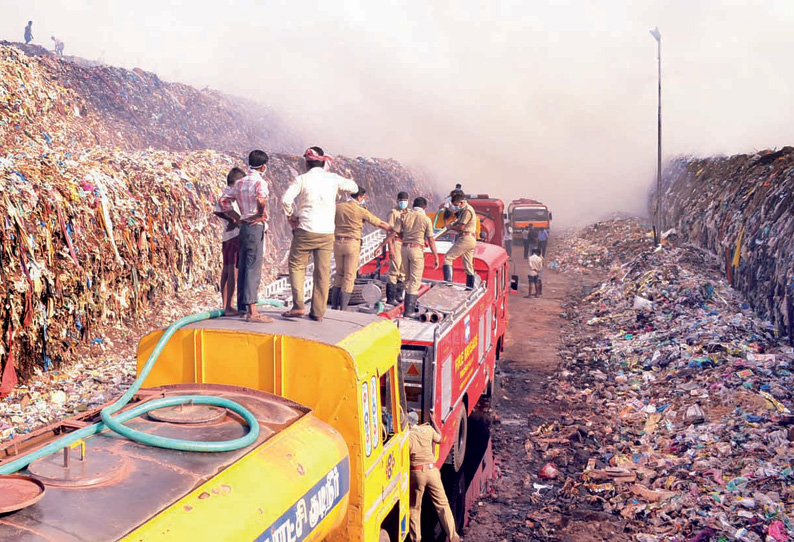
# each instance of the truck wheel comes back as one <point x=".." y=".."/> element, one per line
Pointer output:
<point x="458" y="451"/>
<point x="384" y="536"/>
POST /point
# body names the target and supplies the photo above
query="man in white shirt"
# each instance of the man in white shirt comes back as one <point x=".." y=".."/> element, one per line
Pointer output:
<point x="509" y="239"/>
<point x="535" y="271"/>
<point x="313" y="226"/>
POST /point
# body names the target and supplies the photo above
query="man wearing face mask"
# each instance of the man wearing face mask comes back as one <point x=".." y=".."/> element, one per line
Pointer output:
<point x="395" y="287"/>
<point x="312" y="223"/>
<point x="466" y="225"/>
<point x="415" y="228"/>
<point x="350" y="218"/>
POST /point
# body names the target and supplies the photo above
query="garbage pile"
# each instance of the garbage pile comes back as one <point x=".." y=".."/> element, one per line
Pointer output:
<point x="600" y="245"/>
<point x="677" y="406"/>
<point x="741" y="209"/>
<point x="49" y="100"/>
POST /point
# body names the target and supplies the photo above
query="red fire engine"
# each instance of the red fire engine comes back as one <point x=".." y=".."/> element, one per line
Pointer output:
<point x="449" y="351"/>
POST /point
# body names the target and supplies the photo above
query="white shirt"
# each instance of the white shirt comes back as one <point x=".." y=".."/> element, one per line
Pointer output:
<point x="316" y="191"/>
<point x="234" y="232"/>
<point x="508" y="233"/>
<point x="535" y="265"/>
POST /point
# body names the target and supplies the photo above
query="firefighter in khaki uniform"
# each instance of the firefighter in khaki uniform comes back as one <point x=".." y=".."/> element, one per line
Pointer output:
<point x="425" y="476"/>
<point x="395" y="287"/>
<point x="414" y="227"/>
<point x="466" y="225"/>
<point x="349" y="221"/>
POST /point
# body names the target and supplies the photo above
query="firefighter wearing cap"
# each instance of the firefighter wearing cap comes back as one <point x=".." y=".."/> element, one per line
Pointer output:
<point x="426" y="476"/>
<point x="395" y="287"/>
<point x="414" y="227"/>
<point x="350" y="218"/>
<point x="313" y="224"/>
<point x="466" y="225"/>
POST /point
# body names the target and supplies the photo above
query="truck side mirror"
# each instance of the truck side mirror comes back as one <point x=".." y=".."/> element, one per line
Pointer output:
<point x="514" y="282"/>
<point x="550" y="218"/>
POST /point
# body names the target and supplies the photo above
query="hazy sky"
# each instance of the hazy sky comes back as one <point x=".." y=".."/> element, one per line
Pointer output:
<point x="553" y="100"/>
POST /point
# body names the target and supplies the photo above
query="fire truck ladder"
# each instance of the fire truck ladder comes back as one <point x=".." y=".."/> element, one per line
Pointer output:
<point x="280" y="289"/>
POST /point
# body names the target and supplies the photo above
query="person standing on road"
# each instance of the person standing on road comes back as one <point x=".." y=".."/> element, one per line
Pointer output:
<point x="535" y="272"/>
<point x="312" y="230"/>
<point x="466" y="226"/>
<point x="349" y="221"/>
<point x="395" y="287"/>
<point x="509" y="239"/>
<point x="29" y="32"/>
<point x="251" y="195"/>
<point x="414" y="227"/>
<point x="426" y="476"/>
<point x="543" y="241"/>
<point x="231" y="245"/>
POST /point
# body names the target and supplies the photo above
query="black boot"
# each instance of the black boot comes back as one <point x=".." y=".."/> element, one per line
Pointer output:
<point x="391" y="293"/>
<point x="469" y="282"/>
<point x="447" y="273"/>
<point x="344" y="299"/>
<point x="410" y="305"/>
<point x="400" y="295"/>
<point x="333" y="296"/>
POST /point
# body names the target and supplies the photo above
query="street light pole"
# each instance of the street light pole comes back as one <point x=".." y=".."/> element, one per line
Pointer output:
<point x="657" y="228"/>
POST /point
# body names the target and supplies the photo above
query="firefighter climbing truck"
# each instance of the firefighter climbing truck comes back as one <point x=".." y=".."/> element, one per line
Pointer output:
<point x="524" y="212"/>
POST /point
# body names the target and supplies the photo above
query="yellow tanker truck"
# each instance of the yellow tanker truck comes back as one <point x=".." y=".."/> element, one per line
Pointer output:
<point x="330" y="460"/>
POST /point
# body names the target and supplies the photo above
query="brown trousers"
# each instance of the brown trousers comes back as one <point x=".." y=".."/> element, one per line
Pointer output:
<point x="464" y="247"/>
<point x="346" y="255"/>
<point x="319" y="246"/>
<point x="395" y="273"/>
<point x="413" y="266"/>
<point x="430" y="480"/>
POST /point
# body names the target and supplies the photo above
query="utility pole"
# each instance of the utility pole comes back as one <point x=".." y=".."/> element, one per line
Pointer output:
<point x="657" y="226"/>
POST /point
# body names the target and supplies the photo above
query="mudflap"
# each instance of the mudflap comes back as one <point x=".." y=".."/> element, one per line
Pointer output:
<point x="466" y="487"/>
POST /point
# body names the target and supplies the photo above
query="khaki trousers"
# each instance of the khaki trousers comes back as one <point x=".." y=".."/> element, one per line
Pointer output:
<point x="464" y="246"/>
<point x="430" y="480"/>
<point x="413" y="265"/>
<point x="346" y="255"/>
<point x="395" y="273"/>
<point x="319" y="245"/>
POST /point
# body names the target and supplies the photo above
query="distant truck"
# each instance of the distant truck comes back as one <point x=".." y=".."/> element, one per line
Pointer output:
<point x="525" y="212"/>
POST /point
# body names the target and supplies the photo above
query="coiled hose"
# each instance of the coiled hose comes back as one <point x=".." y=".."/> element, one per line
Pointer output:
<point x="116" y="423"/>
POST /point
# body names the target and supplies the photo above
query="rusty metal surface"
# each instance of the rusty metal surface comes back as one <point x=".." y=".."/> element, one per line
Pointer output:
<point x="151" y="478"/>
<point x="101" y="467"/>
<point x="18" y="492"/>
<point x="188" y="414"/>
<point x="336" y="326"/>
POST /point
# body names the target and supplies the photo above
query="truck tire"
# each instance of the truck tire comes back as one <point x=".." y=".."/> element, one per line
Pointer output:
<point x="384" y="536"/>
<point x="458" y="451"/>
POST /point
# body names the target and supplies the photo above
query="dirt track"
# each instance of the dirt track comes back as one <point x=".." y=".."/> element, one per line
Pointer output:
<point x="516" y="511"/>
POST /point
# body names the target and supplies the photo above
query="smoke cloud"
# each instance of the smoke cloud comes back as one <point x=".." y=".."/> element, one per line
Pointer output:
<point x="552" y="100"/>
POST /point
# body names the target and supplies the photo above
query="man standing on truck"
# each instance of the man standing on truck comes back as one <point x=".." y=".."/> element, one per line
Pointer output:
<point x="312" y="230"/>
<point x="349" y="221"/>
<point x="466" y="225"/>
<point x="414" y="227"/>
<point x="395" y="287"/>
<point x="425" y="475"/>
<point x="251" y="195"/>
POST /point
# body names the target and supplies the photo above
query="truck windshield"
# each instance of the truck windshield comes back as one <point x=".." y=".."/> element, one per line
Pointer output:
<point x="530" y="214"/>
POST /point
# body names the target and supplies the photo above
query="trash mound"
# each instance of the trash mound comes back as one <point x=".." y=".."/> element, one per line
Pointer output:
<point x="676" y="405"/>
<point x="49" y="101"/>
<point x="601" y="245"/>
<point x="741" y="209"/>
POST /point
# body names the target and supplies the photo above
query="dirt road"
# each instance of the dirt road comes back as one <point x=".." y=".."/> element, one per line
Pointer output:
<point x="518" y="510"/>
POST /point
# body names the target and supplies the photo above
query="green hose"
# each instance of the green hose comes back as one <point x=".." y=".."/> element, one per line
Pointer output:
<point x="116" y="423"/>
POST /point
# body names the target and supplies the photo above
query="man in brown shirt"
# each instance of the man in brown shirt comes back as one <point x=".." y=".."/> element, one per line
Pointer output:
<point x="425" y="475"/>
<point x="395" y="287"/>
<point x="349" y="221"/>
<point x="414" y="228"/>
<point x="466" y="225"/>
